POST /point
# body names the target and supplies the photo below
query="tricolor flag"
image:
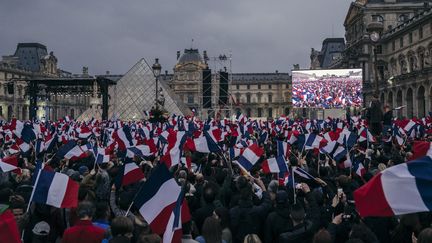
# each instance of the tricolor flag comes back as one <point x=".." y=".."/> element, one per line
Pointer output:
<point x="129" y="173"/>
<point x="420" y="149"/>
<point x="400" y="189"/>
<point x="302" y="173"/>
<point x="179" y="216"/>
<point x="9" y="164"/>
<point x="274" y="165"/>
<point x="283" y="149"/>
<point x="71" y="151"/>
<point x="55" y="189"/>
<point x="250" y="156"/>
<point x="139" y="150"/>
<point x="157" y="199"/>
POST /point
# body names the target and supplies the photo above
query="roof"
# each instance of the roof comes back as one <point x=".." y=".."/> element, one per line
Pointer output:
<point x="29" y="56"/>
<point x="261" y="77"/>
<point x="190" y="55"/>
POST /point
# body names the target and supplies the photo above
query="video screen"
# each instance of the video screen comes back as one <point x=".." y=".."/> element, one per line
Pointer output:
<point x="327" y="89"/>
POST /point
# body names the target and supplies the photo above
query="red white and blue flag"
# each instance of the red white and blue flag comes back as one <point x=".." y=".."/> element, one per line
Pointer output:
<point x="250" y="156"/>
<point x="55" y="189"/>
<point x="274" y="165"/>
<point x="157" y="199"/>
<point x="129" y="173"/>
<point x="401" y="189"/>
<point x="9" y="164"/>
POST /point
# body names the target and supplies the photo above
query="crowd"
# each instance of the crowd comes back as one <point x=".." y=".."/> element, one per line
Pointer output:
<point x="224" y="201"/>
<point x="327" y="93"/>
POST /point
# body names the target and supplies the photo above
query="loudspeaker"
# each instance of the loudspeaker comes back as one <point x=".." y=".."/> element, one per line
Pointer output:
<point x="207" y="88"/>
<point x="223" y="88"/>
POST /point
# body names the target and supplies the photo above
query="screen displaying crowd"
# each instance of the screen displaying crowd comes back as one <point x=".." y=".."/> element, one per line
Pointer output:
<point x="327" y="88"/>
<point x="222" y="181"/>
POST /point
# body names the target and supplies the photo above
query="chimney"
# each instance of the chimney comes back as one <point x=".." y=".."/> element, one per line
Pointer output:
<point x="277" y="71"/>
<point x="107" y="72"/>
<point x="178" y="55"/>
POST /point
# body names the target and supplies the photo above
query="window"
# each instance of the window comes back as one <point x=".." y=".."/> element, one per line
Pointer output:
<point x="248" y="98"/>
<point x="421" y="32"/>
<point x="190" y="99"/>
<point x="410" y="39"/>
<point x="248" y="86"/>
<point x="259" y="112"/>
<point x="401" y="42"/>
<point x="393" y="45"/>
<point x="286" y="86"/>
<point x="248" y="112"/>
<point x="238" y="86"/>
<point x="379" y="49"/>
<point x="269" y="86"/>
<point x="270" y="98"/>
<point x="259" y="86"/>
<point x="270" y="112"/>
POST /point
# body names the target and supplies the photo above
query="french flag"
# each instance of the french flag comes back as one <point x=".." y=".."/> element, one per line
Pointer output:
<point x="358" y="168"/>
<point x="203" y="144"/>
<point x="340" y="153"/>
<point x="39" y="147"/>
<point x="420" y="149"/>
<point x="70" y="151"/>
<point x="283" y="149"/>
<point x="157" y="199"/>
<point x="139" y="150"/>
<point x="302" y="173"/>
<point x="179" y="216"/>
<point x="129" y="173"/>
<point x="123" y="137"/>
<point x="235" y="152"/>
<point x="9" y="164"/>
<point x="49" y="143"/>
<point x="101" y="155"/>
<point x="172" y="154"/>
<point x="400" y="189"/>
<point x="365" y="135"/>
<point x="24" y="147"/>
<point x="55" y="189"/>
<point x="250" y="156"/>
<point x="274" y="165"/>
<point x="314" y="141"/>
<point x="409" y="126"/>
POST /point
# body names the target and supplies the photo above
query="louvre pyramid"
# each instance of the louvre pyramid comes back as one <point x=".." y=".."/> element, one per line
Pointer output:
<point x="135" y="93"/>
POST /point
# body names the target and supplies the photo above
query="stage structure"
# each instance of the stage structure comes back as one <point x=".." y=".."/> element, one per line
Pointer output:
<point x="50" y="90"/>
<point x="216" y="96"/>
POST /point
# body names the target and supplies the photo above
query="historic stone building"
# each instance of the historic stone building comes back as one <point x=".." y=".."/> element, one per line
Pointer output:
<point x="30" y="61"/>
<point x="261" y="94"/>
<point x="365" y="17"/>
<point x="407" y="66"/>
<point x="254" y="94"/>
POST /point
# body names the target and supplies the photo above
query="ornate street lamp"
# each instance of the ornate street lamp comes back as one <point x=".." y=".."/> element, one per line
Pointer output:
<point x="156" y="72"/>
<point x="375" y="29"/>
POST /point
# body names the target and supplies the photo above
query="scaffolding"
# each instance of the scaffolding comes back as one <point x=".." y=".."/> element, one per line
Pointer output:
<point x="219" y="108"/>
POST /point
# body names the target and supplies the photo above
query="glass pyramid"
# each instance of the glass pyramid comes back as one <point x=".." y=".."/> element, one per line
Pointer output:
<point x="135" y="93"/>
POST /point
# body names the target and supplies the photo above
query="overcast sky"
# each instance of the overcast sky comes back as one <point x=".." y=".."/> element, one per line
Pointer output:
<point x="263" y="35"/>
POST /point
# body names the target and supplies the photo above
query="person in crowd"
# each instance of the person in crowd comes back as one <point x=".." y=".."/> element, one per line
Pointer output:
<point x="121" y="229"/>
<point x="211" y="231"/>
<point x="84" y="231"/>
<point x="252" y="238"/>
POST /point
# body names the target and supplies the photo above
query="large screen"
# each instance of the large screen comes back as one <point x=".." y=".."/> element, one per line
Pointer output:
<point x="328" y="89"/>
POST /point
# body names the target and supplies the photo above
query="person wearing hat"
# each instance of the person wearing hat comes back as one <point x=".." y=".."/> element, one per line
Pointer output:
<point x="40" y="232"/>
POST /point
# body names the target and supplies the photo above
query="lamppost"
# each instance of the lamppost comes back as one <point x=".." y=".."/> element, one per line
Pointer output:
<point x="156" y="72"/>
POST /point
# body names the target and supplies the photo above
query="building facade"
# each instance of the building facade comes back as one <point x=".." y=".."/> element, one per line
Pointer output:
<point x="253" y="94"/>
<point x="32" y="61"/>
<point x="331" y="52"/>
<point x="367" y="51"/>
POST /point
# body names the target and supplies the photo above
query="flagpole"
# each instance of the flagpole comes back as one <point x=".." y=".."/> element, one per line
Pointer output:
<point x="33" y="191"/>
<point x="136" y="194"/>
<point x="293" y="184"/>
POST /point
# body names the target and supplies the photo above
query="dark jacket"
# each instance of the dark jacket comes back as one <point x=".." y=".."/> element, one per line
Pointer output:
<point x="300" y="233"/>
<point x="202" y="213"/>
<point x="277" y="222"/>
<point x="247" y="218"/>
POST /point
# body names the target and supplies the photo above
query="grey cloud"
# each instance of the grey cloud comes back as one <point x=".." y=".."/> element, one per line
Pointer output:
<point x="112" y="34"/>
